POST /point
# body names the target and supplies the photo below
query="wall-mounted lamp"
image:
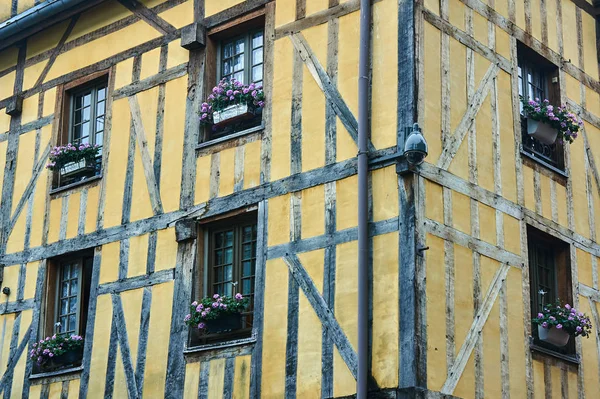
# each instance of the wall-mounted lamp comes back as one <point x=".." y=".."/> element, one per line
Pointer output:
<point x="415" y="146"/>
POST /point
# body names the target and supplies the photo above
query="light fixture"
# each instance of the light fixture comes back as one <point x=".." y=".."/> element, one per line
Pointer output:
<point x="415" y="146"/>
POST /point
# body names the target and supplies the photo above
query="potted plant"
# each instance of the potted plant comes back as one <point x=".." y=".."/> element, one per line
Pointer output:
<point x="217" y="314"/>
<point x="546" y="123"/>
<point x="231" y="101"/>
<point x="556" y="324"/>
<point x="57" y="352"/>
<point x="71" y="160"/>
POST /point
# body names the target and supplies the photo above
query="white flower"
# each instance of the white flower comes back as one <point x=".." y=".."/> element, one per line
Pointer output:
<point x="542" y="292"/>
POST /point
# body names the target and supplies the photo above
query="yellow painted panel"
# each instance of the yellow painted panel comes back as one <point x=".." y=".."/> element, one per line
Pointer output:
<point x="313" y="6"/>
<point x="344" y="383"/>
<point x="384" y="107"/>
<point x="313" y="211"/>
<point x="579" y="184"/>
<point x="54" y="219"/>
<point x="30" y="280"/>
<point x="132" y="308"/>
<point x="30" y="110"/>
<point x="180" y="15"/>
<point x="434" y="205"/>
<point x="488" y="268"/>
<point x="73" y="389"/>
<point x="385" y="310"/>
<point x="436" y="297"/>
<point x="573" y="88"/>
<point x="348" y="60"/>
<point x="150" y="60"/>
<point x="140" y="199"/>
<point x="313" y="104"/>
<point x="570" y="32"/>
<point x="176" y="55"/>
<point x="346" y="147"/>
<point x="138" y="255"/>
<point x="485" y="155"/>
<point x="251" y="164"/>
<point x="99" y="16"/>
<point x="463" y="293"/>
<point x="170" y="181"/>
<point x="109" y="266"/>
<point x="275" y="329"/>
<point x="7" y="85"/>
<point x="592" y="101"/>
<point x="313" y="263"/>
<point x="203" y="179"/>
<point x="516" y="344"/>
<point x="8" y="57"/>
<point x="308" y="381"/>
<point x="39" y="207"/>
<point x="456" y="14"/>
<point x="589" y="355"/>
<point x="241" y="382"/>
<point x="16" y="240"/>
<point x="466" y="384"/>
<point x="102" y="48"/>
<point x="4" y="123"/>
<point x="120" y="384"/>
<point x="7" y="322"/>
<point x="73" y="214"/>
<point x="536" y="22"/>
<point x="512" y="234"/>
<point x="124" y="73"/>
<point x="520" y="14"/>
<point x="192" y="377"/>
<point x="282" y="108"/>
<point x="166" y="249"/>
<point x="32" y="74"/>
<point x="491" y="354"/>
<point x="49" y="101"/>
<point x="24" y="166"/>
<point x="24" y="5"/>
<point x="502" y="43"/>
<point x="346" y="293"/>
<point x="91" y="213"/>
<point x="561" y="204"/>
<point x="584" y="268"/>
<point x="115" y="173"/>
<point x="538" y="380"/>
<point x="46" y="39"/>
<point x="572" y="379"/>
<point x="279" y="220"/>
<point x="590" y="60"/>
<point x="213" y="7"/>
<point x="11" y="277"/>
<point x="528" y="185"/>
<point x="433" y="6"/>
<point x="55" y="390"/>
<point x="551" y="15"/>
<point x="285" y="12"/>
<point x="158" y="338"/>
<point x="101" y="345"/>
<point x="480" y="28"/>
<point x="384" y="184"/>
<point x="226" y="172"/>
<point x="346" y="199"/>
<point x="487" y="223"/>
<point x="556" y="379"/>
<point x="152" y="3"/>
<point x="545" y="188"/>
<point x="36" y="390"/>
<point x="461" y="212"/>
<point x="19" y="371"/>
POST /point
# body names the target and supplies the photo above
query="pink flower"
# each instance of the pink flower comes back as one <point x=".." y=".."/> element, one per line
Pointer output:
<point x="559" y="326"/>
<point x="215" y="305"/>
<point x="187" y="317"/>
<point x="199" y="308"/>
<point x="216" y="296"/>
<point x="239" y="296"/>
<point x="545" y="325"/>
<point x="578" y="329"/>
<point x="201" y="326"/>
<point x="540" y="316"/>
<point x="194" y="303"/>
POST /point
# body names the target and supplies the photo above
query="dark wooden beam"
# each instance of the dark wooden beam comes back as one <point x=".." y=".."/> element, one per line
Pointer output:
<point x="150" y="17"/>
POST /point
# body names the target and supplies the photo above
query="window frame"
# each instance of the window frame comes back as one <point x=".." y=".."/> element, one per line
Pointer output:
<point x="94" y="86"/>
<point x="248" y="49"/>
<point x="58" y="283"/>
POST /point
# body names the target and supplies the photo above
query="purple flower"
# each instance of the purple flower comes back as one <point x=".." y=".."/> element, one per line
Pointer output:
<point x="194" y="303"/>
<point x="559" y="326"/>
<point x="545" y="325"/>
<point x="578" y="329"/>
<point x="201" y="326"/>
<point x="199" y="308"/>
<point x="540" y="315"/>
<point x="216" y="296"/>
<point x="254" y="93"/>
<point x="187" y="317"/>
<point x="204" y="109"/>
<point x="261" y="104"/>
<point x="232" y="98"/>
<point x="229" y="92"/>
<point x="215" y="305"/>
<point x="239" y="296"/>
<point x="573" y="310"/>
<point x="204" y="116"/>
<point x="245" y="90"/>
<point x="235" y="93"/>
<point x="552" y="318"/>
<point x="51" y="354"/>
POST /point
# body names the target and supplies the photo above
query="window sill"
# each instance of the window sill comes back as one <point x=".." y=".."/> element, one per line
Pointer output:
<point x="232" y="136"/>
<point x="76" y="184"/>
<point x="58" y="373"/>
<point x="220" y="345"/>
<point x="545" y="164"/>
<point x="572" y="359"/>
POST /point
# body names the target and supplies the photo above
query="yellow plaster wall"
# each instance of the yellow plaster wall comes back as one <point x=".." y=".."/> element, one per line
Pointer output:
<point x="313" y="212"/>
<point x="281" y="108"/>
<point x="241" y="384"/>
<point x="252" y="164"/>
<point x="213" y="7"/>
<point x="436" y="334"/>
<point x="384" y="183"/>
<point x="279" y="220"/>
<point x="346" y="195"/>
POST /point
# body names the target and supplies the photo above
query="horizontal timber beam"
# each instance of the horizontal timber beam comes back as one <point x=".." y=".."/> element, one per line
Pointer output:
<point x="589" y="292"/>
<point x="136" y="282"/>
<point x="18" y="306"/>
<point x="153" y="81"/>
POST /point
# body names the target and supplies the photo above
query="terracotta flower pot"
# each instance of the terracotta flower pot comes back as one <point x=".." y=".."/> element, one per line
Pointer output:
<point x="543" y="132"/>
<point x="555" y="336"/>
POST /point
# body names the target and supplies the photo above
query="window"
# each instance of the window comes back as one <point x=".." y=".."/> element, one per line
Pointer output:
<point x="235" y="50"/>
<point x="227" y="266"/>
<point x="82" y="122"/>
<point x="550" y="280"/>
<point x="538" y="78"/>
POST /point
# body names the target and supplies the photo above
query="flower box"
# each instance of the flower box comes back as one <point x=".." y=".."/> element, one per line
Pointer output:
<point x="233" y="113"/>
<point x="80" y="167"/>
<point x="541" y="131"/>
<point x="225" y="323"/>
<point x="553" y="335"/>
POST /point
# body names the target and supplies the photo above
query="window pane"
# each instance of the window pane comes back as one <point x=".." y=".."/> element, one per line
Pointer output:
<point x="100" y="108"/>
<point x="78" y="102"/>
<point x="228" y="273"/>
<point x="77" y="118"/>
<point x="246" y="287"/>
<point x="86" y="114"/>
<point x="218" y="257"/>
<point x="73" y="304"/>
<point x="227" y="67"/>
<point x="85" y="129"/>
<point x="101" y="94"/>
<point x="87" y="99"/>
<point x="227" y="50"/>
<point x="257" y="40"/>
<point x="239" y="46"/>
<point x="239" y="76"/>
<point x="247" y="268"/>
<point x="74" y="287"/>
<point x="64" y="309"/>
<point x="229" y="238"/>
<point x="229" y="256"/>
<point x="257" y="73"/>
<point x="65" y="290"/>
<point x="99" y="124"/>
<point x="257" y="56"/>
<point x="63" y="324"/>
<point x="76" y="132"/>
<point x="227" y="290"/>
<point x="72" y="323"/>
<point x="238" y="62"/>
<point x="99" y="139"/>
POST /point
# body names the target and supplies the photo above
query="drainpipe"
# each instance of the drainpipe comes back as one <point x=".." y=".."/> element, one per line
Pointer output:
<point x="363" y="199"/>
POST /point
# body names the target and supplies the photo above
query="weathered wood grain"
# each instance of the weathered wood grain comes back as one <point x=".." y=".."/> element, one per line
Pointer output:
<point x="137" y="282"/>
<point x="119" y="316"/>
<point x="151" y="18"/>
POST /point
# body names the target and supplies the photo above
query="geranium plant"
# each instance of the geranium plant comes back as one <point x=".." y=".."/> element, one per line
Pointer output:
<point x="214" y="308"/>
<point x="564" y="318"/>
<point x="231" y="92"/>
<point x="565" y="122"/>
<point x="64" y="154"/>
<point x="54" y="346"/>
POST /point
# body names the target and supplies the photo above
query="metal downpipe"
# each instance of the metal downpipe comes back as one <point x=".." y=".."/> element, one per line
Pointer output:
<point x="363" y="199"/>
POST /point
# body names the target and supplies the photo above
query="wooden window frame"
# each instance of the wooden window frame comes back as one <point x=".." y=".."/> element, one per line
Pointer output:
<point x="202" y="286"/>
<point x="235" y="27"/>
<point x="248" y="61"/>
<point x="563" y="288"/>
<point x="550" y="156"/>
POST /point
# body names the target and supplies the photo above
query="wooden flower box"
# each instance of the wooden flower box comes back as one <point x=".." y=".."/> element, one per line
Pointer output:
<point x="233" y="113"/>
<point x="82" y="167"/>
